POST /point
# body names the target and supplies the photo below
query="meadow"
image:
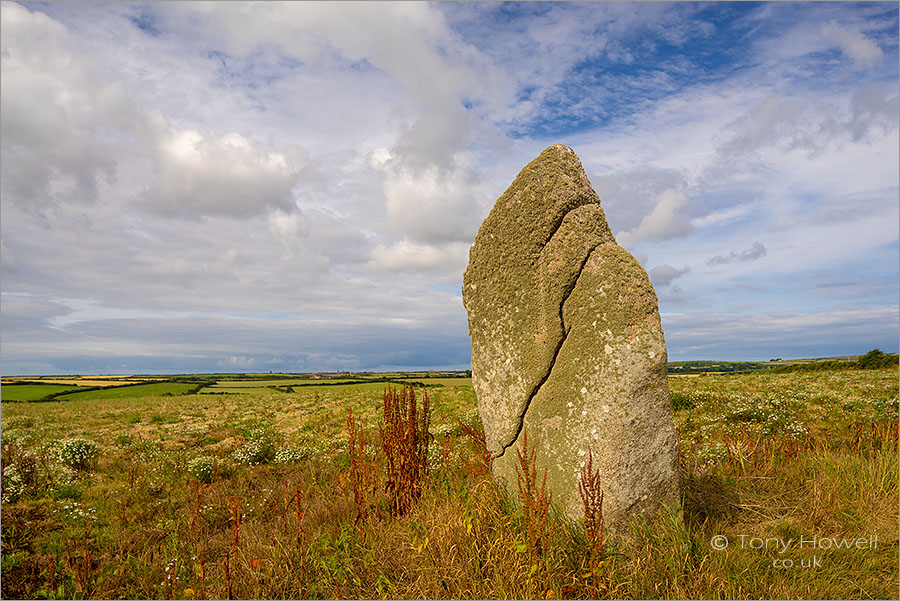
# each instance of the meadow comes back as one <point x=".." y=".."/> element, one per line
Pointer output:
<point x="261" y="487"/>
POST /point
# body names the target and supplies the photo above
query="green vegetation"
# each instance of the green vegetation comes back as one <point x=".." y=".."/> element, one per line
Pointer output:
<point x="874" y="359"/>
<point x="32" y="392"/>
<point x="129" y="392"/>
<point x="271" y="494"/>
<point x="698" y="367"/>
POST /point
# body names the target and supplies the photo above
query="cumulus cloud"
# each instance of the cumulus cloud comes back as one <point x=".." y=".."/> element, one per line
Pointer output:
<point x="863" y="51"/>
<point x="751" y="254"/>
<point x="808" y="123"/>
<point x="676" y="295"/>
<point x="431" y="205"/>
<point x="410" y="41"/>
<point x="663" y="275"/>
<point x="340" y="156"/>
<point x="61" y="117"/>
<point x="667" y="220"/>
<point x="428" y="177"/>
<point x="218" y="175"/>
<point x="69" y="126"/>
<point x="628" y="194"/>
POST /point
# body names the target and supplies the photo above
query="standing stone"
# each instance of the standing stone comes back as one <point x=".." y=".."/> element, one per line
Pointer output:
<point x="567" y="345"/>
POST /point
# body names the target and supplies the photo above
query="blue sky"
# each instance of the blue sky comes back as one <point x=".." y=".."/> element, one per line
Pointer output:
<point x="294" y="187"/>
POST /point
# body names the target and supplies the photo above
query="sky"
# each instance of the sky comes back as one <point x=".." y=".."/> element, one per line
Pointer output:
<point x="229" y="187"/>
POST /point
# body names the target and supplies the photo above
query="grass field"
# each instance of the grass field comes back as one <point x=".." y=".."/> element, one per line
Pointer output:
<point x="32" y="392"/>
<point x="129" y="392"/>
<point x="123" y="493"/>
<point x="84" y="382"/>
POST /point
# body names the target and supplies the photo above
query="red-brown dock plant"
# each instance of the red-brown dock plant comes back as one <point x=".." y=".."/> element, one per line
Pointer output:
<point x="483" y="458"/>
<point x="235" y="507"/>
<point x="535" y="500"/>
<point x="404" y="440"/>
<point x="362" y="475"/>
<point x="589" y="487"/>
<point x="297" y="496"/>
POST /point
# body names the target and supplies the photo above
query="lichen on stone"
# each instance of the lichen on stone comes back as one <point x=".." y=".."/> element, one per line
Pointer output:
<point x="567" y="341"/>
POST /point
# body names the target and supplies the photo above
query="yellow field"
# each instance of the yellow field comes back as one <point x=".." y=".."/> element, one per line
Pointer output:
<point x="94" y="381"/>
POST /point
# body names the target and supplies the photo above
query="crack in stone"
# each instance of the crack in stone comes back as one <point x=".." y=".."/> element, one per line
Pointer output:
<point x="552" y="363"/>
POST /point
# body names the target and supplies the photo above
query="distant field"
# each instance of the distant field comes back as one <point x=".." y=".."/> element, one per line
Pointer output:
<point x="334" y="385"/>
<point x="441" y="381"/>
<point x="256" y="383"/>
<point x="93" y="381"/>
<point x="112" y="387"/>
<point x="130" y="392"/>
<point x="31" y="392"/>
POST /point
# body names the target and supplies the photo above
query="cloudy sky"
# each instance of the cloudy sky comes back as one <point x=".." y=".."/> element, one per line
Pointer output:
<point x="294" y="187"/>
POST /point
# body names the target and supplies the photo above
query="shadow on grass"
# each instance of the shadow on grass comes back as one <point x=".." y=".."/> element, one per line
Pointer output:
<point x="707" y="498"/>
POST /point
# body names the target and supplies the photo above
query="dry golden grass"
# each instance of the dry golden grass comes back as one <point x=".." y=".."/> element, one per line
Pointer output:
<point x="763" y="457"/>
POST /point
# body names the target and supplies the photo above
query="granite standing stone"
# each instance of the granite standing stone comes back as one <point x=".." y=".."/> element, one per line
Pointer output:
<point x="567" y="345"/>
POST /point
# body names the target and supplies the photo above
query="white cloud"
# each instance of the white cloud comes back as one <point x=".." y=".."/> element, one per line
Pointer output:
<point x="667" y="220"/>
<point x="409" y="41"/>
<point x="218" y="175"/>
<point x="860" y="49"/>
<point x="409" y="256"/>
<point x="663" y="275"/>
<point x="628" y="193"/>
<point x="429" y="205"/>
<point x="322" y="167"/>
<point x="722" y="217"/>
<point x="69" y="127"/>
<point x="429" y="181"/>
<point x="751" y="254"/>
<point x="813" y="124"/>
<point x="61" y="117"/>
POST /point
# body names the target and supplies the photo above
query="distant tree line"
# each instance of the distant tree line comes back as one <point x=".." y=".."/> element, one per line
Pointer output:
<point x="697" y="367"/>
<point x="874" y="359"/>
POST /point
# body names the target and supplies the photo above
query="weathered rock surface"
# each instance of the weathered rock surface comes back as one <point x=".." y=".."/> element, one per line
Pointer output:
<point x="567" y="344"/>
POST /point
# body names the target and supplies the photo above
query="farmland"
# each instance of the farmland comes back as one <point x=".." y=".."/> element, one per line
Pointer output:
<point x="220" y="486"/>
<point x="34" y="392"/>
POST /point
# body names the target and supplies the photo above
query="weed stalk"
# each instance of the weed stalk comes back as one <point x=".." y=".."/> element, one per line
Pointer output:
<point x="590" y="489"/>
<point x="535" y="500"/>
<point x="404" y="440"/>
<point x="362" y="471"/>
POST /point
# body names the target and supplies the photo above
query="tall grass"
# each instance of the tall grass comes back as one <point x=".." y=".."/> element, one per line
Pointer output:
<point x="137" y="522"/>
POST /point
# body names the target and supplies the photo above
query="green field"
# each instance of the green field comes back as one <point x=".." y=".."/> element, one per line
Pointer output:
<point x="129" y="392"/>
<point x="343" y="385"/>
<point x="31" y="392"/>
<point x="441" y="381"/>
<point x="265" y="383"/>
<point x="791" y="455"/>
<point x="779" y="365"/>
